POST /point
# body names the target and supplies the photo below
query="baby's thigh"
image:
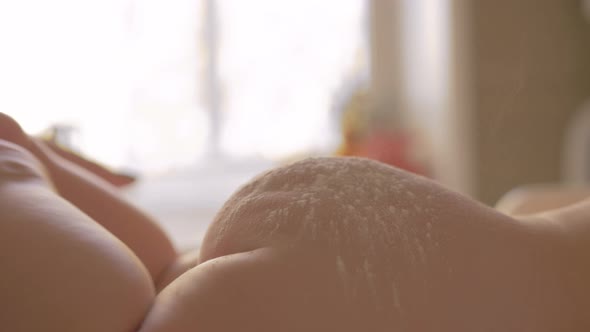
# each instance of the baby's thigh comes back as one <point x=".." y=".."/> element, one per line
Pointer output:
<point x="527" y="200"/>
<point x="262" y="290"/>
<point x="60" y="270"/>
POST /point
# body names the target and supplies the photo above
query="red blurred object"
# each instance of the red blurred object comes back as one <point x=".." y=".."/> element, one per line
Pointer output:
<point x="391" y="148"/>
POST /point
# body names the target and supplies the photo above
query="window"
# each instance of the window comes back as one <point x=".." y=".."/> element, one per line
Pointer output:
<point x="154" y="84"/>
<point x="280" y="64"/>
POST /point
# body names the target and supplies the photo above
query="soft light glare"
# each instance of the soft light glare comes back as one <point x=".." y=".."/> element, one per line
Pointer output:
<point x="106" y="67"/>
<point x="127" y="74"/>
<point x="281" y="62"/>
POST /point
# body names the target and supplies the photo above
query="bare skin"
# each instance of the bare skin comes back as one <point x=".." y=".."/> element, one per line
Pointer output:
<point x="320" y="245"/>
<point x="61" y="271"/>
<point x="99" y="200"/>
<point x="535" y="199"/>
<point x="440" y="262"/>
<point x="115" y="179"/>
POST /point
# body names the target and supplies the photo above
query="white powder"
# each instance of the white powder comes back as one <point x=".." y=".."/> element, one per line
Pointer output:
<point x="341" y="268"/>
<point x="405" y="213"/>
<point x="347" y="204"/>
<point x="309" y="217"/>
<point x="420" y="250"/>
<point x="275" y="228"/>
<point x="395" y="296"/>
<point x="313" y="230"/>
<point x="370" y="280"/>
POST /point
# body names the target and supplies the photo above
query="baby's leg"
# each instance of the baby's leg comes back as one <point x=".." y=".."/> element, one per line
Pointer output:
<point x="262" y="290"/>
<point x="61" y="271"/>
<point x="115" y="179"/>
<point x="99" y="200"/>
<point x="527" y="200"/>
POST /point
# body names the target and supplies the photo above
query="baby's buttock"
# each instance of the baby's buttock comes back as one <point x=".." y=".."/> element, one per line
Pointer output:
<point x="393" y="241"/>
<point x="60" y="269"/>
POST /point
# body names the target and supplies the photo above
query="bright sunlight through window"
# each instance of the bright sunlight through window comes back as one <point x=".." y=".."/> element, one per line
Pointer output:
<point x="153" y="84"/>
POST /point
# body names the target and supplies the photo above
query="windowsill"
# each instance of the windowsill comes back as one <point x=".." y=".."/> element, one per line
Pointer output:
<point x="184" y="202"/>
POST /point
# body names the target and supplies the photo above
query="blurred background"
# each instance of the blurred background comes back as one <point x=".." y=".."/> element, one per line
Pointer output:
<point x="194" y="97"/>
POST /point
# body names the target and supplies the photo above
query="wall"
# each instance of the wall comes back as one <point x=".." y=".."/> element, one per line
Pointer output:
<point x="420" y="78"/>
<point x="531" y="71"/>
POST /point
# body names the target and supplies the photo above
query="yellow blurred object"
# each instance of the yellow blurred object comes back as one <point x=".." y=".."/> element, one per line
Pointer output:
<point x="377" y="135"/>
<point x="354" y="122"/>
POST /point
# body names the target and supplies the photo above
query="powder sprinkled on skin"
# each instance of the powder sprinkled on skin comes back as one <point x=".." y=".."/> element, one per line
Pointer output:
<point x="370" y="280"/>
<point x="341" y="268"/>
<point x="350" y="205"/>
<point x="392" y="210"/>
<point x="405" y="213"/>
<point x="276" y="227"/>
<point x="395" y="296"/>
<point x="420" y="250"/>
